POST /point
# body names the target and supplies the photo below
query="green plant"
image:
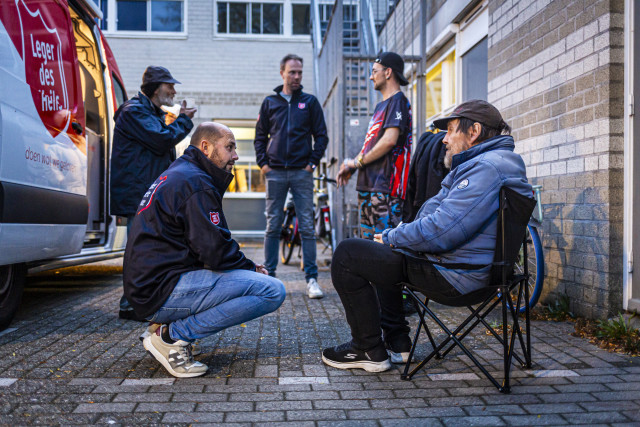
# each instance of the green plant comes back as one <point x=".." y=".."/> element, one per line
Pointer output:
<point x="619" y="331"/>
<point x="560" y="309"/>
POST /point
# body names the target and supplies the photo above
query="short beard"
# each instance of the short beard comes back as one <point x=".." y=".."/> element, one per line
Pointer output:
<point x="447" y="159"/>
<point x="166" y="100"/>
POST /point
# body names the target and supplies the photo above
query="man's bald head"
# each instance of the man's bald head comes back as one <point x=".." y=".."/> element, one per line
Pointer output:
<point x="216" y="141"/>
<point x="209" y="131"/>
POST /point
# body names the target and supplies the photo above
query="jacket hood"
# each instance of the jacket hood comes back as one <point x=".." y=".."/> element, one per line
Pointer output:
<point x="221" y="178"/>
<point x="499" y="142"/>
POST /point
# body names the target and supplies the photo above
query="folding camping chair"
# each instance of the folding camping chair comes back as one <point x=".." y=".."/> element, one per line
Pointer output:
<point x="513" y="215"/>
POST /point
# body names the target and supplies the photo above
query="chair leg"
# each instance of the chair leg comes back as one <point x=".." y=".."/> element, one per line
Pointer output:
<point x="527" y="324"/>
<point x="507" y="368"/>
<point x="451" y="336"/>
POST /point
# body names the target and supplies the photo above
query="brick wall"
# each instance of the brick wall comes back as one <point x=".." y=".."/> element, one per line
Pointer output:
<point x="226" y="77"/>
<point x="556" y="73"/>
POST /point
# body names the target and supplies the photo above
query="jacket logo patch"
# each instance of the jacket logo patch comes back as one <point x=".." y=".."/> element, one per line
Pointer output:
<point x="464" y="184"/>
<point x="214" y="217"/>
<point x="398" y="115"/>
<point x="301" y="105"/>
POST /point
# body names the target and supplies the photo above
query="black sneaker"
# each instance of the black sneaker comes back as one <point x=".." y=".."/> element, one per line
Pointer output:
<point x="345" y="356"/>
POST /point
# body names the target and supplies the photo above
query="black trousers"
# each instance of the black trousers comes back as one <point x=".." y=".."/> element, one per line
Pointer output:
<point x="359" y="268"/>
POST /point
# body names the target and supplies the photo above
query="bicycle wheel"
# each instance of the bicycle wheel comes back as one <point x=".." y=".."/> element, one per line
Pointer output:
<point x="536" y="267"/>
<point x="288" y="239"/>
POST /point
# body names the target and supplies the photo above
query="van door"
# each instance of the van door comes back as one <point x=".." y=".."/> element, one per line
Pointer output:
<point x="95" y="114"/>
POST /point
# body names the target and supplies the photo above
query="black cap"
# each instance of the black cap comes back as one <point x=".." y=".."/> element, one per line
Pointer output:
<point x="155" y="74"/>
<point x="395" y="62"/>
<point x="477" y="110"/>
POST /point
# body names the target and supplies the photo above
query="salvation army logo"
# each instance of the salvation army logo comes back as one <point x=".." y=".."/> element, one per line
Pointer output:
<point x="214" y="217"/>
<point x="42" y="55"/>
<point x="301" y="105"/>
<point x="464" y="184"/>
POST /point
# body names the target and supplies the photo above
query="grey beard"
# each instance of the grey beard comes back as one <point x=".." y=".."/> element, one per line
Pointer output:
<point x="447" y="159"/>
<point x="167" y="101"/>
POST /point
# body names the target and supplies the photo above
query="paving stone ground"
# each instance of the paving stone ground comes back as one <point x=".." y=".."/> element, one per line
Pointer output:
<point x="68" y="359"/>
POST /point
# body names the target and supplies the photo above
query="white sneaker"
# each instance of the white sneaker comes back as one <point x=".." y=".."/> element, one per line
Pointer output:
<point x="313" y="289"/>
<point x="176" y="357"/>
<point x="196" y="348"/>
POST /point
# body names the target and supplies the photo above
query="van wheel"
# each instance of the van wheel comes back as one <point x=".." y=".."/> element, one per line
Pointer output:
<point x="11" y="286"/>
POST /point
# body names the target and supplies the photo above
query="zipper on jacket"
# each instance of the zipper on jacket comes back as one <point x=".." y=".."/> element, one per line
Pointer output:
<point x="286" y="157"/>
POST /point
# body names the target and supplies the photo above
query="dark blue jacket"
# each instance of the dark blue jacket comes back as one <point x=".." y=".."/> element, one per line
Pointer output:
<point x="143" y="147"/>
<point x="179" y="227"/>
<point x="284" y="130"/>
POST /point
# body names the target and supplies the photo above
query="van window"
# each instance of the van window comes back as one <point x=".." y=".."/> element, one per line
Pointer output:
<point x="118" y="89"/>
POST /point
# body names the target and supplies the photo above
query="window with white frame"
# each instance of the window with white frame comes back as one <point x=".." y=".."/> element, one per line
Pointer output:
<point x="150" y="15"/>
<point x="472" y="45"/>
<point x="457" y="71"/>
<point x="143" y="16"/>
<point x="249" y="18"/>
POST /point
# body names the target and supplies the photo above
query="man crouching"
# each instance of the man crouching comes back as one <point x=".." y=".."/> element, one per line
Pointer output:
<point x="182" y="269"/>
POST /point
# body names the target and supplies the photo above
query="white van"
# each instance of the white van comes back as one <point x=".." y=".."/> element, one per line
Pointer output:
<point x="59" y="89"/>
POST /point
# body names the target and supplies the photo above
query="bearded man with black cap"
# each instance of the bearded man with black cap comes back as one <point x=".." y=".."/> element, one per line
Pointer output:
<point x="447" y="249"/>
<point x="144" y="146"/>
<point x="383" y="170"/>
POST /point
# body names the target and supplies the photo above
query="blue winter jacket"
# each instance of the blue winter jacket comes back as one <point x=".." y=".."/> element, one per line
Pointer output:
<point x="143" y="147"/>
<point x="459" y="224"/>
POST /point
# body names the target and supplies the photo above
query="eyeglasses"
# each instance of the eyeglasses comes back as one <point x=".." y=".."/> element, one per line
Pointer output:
<point x="374" y="70"/>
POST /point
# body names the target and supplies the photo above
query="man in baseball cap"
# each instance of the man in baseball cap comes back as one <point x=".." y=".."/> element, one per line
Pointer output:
<point x="396" y="63"/>
<point x="469" y="124"/>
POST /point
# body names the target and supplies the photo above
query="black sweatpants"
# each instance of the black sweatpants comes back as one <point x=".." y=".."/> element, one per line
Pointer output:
<point x="358" y="265"/>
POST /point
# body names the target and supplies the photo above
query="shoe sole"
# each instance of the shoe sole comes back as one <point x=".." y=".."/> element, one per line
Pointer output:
<point x="315" y="296"/>
<point x="398" y="357"/>
<point x="160" y="358"/>
<point x="367" y="366"/>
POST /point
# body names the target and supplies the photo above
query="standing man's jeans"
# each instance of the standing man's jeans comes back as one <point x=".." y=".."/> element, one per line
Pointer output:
<point x="300" y="183"/>
<point x="205" y="302"/>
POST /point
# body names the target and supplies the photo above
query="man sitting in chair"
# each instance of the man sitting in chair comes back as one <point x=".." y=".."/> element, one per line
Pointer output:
<point x="448" y="249"/>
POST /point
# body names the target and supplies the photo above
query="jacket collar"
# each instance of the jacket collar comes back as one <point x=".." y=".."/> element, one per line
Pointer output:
<point x="221" y="178"/>
<point x="500" y="142"/>
<point x="296" y="93"/>
<point x="144" y="99"/>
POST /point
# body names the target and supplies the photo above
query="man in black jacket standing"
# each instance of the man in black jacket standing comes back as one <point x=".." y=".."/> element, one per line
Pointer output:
<point x="182" y="269"/>
<point x="144" y="146"/>
<point x="286" y="125"/>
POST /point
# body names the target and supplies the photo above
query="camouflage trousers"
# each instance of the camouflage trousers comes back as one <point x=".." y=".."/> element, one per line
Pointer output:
<point x="378" y="211"/>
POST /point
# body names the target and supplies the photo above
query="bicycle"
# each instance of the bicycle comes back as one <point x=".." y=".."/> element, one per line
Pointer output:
<point x="535" y="255"/>
<point x="290" y="236"/>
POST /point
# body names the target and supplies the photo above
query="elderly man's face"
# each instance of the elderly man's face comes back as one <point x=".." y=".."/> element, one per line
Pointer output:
<point x="223" y="152"/>
<point x="164" y="94"/>
<point x="292" y="74"/>
<point x="455" y="141"/>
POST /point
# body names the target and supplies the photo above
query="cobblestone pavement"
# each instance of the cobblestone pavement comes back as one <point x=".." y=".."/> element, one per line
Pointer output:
<point x="68" y="359"/>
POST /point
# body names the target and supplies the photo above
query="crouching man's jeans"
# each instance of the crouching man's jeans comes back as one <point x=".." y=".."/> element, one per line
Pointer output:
<point x="205" y="302"/>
